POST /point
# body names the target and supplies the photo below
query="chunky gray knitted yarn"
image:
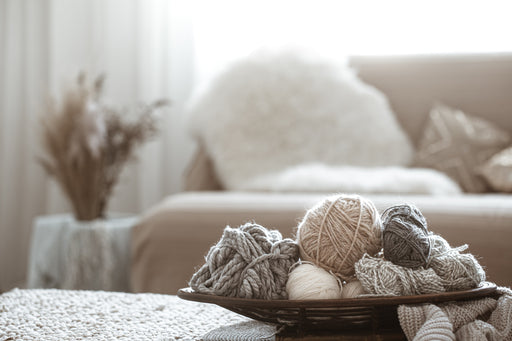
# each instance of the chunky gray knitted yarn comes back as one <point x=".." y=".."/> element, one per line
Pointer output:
<point x="247" y="262"/>
<point x="405" y="236"/>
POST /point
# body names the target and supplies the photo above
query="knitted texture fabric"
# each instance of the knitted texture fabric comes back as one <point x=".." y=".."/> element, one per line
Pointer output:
<point x="425" y="322"/>
<point x="75" y="255"/>
<point x="66" y="315"/>
<point x="483" y="319"/>
<point x="248" y="262"/>
<point x="88" y="259"/>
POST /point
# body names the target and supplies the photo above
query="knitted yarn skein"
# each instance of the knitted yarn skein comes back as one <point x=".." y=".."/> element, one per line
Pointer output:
<point x="247" y="262"/>
<point x="449" y="270"/>
<point x="381" y="277"/>
<point x="405" y="237"/>
<point x="459" y="271"/>
<point x="338" y="231"/>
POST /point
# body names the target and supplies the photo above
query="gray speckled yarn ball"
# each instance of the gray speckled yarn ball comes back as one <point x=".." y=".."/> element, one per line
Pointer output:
<point x="247" y="262"/>
<point x="405" y="236"/>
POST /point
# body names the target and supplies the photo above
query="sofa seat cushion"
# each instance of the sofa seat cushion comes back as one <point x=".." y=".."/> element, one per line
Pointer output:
<point x="171" y="240"/>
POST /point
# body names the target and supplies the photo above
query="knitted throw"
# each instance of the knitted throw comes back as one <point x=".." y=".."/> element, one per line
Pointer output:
<point x="67" y="315"/>
<point x="483" y="319"/>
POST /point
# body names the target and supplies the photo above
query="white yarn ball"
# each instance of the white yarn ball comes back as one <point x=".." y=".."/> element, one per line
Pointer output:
<point x="310" y="282"/>
<point x="352" y="289"/>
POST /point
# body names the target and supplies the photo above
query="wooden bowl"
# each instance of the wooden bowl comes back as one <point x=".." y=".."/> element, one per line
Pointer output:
<point x="375" y="313"/>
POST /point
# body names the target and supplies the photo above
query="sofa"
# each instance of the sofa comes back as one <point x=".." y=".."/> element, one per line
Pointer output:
<point x="172" y="238"/>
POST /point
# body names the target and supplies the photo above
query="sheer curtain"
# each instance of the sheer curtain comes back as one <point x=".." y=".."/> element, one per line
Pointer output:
<point x="146" y="50"/>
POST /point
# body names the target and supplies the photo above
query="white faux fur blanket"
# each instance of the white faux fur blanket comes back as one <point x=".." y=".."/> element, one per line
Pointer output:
<point x="323" y="178"/>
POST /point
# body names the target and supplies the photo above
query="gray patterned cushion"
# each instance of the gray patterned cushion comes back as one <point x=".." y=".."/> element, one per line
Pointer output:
<point x="457" y="144"/>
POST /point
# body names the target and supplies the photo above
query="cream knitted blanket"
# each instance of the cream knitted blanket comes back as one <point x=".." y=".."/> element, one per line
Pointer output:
<point x="483" y="319"/>
<point x="51" y="314"/>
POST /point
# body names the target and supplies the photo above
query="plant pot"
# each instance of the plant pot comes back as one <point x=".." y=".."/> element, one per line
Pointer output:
<point x="81" y="255"/>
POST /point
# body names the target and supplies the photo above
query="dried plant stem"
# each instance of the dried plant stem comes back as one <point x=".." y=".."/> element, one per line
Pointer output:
<point x="87" y="145"/>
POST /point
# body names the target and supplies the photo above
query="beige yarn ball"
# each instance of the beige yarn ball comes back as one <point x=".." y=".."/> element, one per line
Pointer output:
<point x="338" y="231"/>
<point x="309" y="282"/>
<point x="352" y="289"/>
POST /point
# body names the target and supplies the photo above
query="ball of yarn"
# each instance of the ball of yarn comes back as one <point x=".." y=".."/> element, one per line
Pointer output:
<point x="352" y="289"/>
<point x="379" y="276"/>
<point x="247" y="262"/>
<point x="309" y="282"/>
<point x="405" y="237"/>
<point x="459" y="271"/>
<point x="338" y="231"/>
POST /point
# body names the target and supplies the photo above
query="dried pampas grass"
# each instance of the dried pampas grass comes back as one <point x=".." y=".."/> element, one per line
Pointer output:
<point x="87" y="143"/>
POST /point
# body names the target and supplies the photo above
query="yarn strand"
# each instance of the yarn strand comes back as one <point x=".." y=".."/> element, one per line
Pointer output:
<point x="355" y="234"/>
<point x="321" y="229"/>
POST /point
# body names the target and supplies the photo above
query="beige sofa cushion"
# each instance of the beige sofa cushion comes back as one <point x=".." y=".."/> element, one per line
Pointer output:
<point x="172" y="239"/>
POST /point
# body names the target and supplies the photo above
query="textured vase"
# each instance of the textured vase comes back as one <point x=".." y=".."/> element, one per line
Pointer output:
<point x="87" y="255"/>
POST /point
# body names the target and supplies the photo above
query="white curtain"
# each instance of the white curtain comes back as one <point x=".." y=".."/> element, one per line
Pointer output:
<point x="146" y="50"/>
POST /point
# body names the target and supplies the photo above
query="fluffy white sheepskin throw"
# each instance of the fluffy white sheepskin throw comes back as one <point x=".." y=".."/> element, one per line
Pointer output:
<point x="272" y="111"/>
<point x="322" y="178"/>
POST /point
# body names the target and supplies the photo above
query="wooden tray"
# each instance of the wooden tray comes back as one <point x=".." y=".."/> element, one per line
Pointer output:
<point x="375" y="313"/>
